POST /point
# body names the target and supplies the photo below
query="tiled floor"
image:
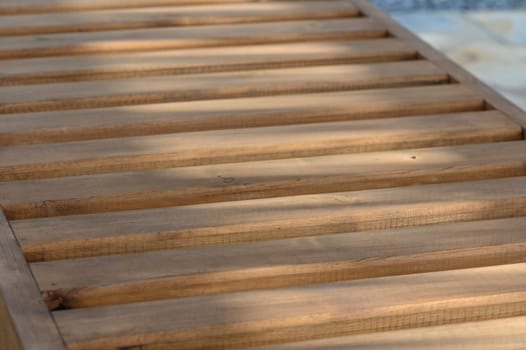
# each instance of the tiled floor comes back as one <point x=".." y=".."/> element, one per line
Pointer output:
<point x="492" y="45"/>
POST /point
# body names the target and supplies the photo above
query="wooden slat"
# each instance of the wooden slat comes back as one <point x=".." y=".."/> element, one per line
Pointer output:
<point x="207" y="60"/>
<point x="266" y="219"/>
<point x="11" y="7"/>
<point x="301" y="313"/>
<point x="182" y="186"/>
<point x="458" y="74"/>
<point x="25" y="323"/>
<point x="175" y="17"/>
<point x="121" y="279"/>
<point x="226" y="146"/>
<point x="208" y="115"/>
<point x="187" y="37"/>
<point x="502" y="334"/>
<point x="93" y="94"/>
<point x="177" y="171"/>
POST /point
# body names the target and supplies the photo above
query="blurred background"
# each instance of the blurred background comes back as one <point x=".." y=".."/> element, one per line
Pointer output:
<point x="488" y="38"/>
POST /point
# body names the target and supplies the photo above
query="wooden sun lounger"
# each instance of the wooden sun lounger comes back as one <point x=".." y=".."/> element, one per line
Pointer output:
<point x="234" y="174"/>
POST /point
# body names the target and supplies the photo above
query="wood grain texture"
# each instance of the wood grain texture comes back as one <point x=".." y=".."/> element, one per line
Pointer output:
<point x="228" y="146"/>
<point x="502" y="334"/>
<point x="246" y="173"/>
<point x="25" y="323"/>
<point x="302" y="313"/>
<point x="123" y="232"/>
<point x="86" y="124"/>
<point x="187" y="37"/>
<point x="17" y="7"/>
<point x="252" y="180"/>
<point x="121" y="279"/>
<point x="206" y="60"/>
<point x="457" y="73"/>
<point x="120" y="19"/>
<point x="93" y="94"/>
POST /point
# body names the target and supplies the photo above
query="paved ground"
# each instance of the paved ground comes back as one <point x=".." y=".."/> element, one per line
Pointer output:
<point x="413" y="5"/>
<point x="492" y="45"/>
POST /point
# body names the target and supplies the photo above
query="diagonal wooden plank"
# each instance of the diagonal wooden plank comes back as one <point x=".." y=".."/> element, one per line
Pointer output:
<point x="25" y="323"/>
<point x="228" y="146"/>
<point x="120" y="19"/>
<point x="238" y="320"/>
<point x="121" y="279"/>
<point x="252" y="180"/>
<point x="187" y="37"/>
<point x="77" y="236"/>
<point x="502" y="334"/>
<point x="76" y="125"/>
<point x="206" y="60"/>
<point x="93" y="94"/>
<point x="11" y="7"/>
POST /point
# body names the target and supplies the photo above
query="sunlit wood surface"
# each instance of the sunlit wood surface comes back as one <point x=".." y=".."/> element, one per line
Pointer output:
<point x="227" y="174"/>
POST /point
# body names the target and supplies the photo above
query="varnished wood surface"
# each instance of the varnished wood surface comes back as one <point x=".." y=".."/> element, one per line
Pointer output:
<point x="226" y="174"/>
<point x="189" y="272"/>
<point x="86" y="124"/>
<point x="228" y="146"/>
<point x="15" y="99"/>
<point x="281" y="315"/>
<point x="187" y="37"/>
<point x="120" y="19"/>
<point x="502" y="334"/>
<point x="252" y="180"/>
<point x="14" y="7"/>
<point x="77" y="236"/>
<point x="207" y="60"/>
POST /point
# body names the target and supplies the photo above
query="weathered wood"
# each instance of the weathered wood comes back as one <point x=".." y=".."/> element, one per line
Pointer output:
<point x="215" y="183"/>
<point x="279" y="315"/>
<point x="187" y="37"/>
<point x="457" y="73"/>
<point x="86" y="124"/>
<point x="120" y="279"/>
<point x="207" y="60"/>
<point x="78" y="236"/>
<point x="502" y="334"/>
<point x="25" y="323"/>
<point x="228" y="146"/>
<point x="175" y="17"/>
<point x="93" y="94"/>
